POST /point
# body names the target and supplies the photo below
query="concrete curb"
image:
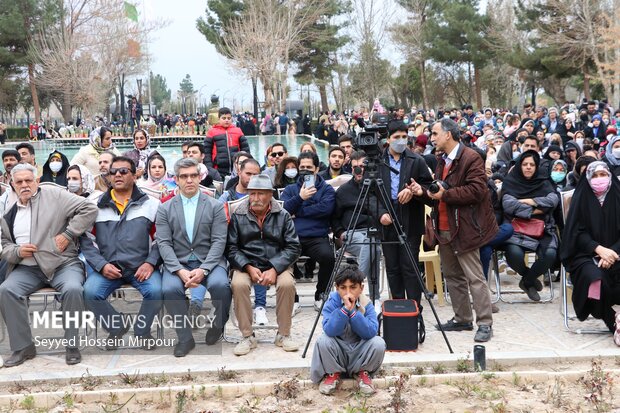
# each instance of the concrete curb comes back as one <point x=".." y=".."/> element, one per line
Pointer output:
<point x="233" y="390"/>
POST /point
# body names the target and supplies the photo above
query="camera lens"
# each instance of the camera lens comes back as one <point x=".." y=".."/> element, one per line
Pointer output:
<point x="433" y="188"/>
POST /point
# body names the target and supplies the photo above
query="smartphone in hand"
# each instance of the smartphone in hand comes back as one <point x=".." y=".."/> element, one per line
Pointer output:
<point x="309" y="180"/>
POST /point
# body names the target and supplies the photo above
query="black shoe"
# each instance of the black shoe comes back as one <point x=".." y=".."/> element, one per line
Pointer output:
<point x="114" y="338"/>
<point x="453" y="325"/>
<point x="18" y="357"/>
<point x="147" y="342"/>
<point x="483" y="334"/>
<point x="538" y="285"/>
<point x="73" y="356"/>
<point x="181" y="349"/>
<point x="214" y="334"/>
<point x="530" y="291"/>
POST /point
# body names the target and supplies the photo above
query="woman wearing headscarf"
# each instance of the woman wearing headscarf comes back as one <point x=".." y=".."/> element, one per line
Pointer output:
<point x="559" y="172"/>
<point x="100" y="140"/>
<point x="55" y="169"/>
<point x="528" y="195"/>
<point x="567" y="130"/>
<point x="596" y="130"/>
<point x="80" y="181"/>
<point x="591" y="246"/>
<point x="156" y="176"/>
<point x="572" y="152"/>
<point x="612" y="155"/>
<point x="141" y="150"/>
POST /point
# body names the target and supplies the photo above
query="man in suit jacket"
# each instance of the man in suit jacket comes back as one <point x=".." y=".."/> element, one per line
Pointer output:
<point x="404" y="180"/>
<point x="191" y="236"/>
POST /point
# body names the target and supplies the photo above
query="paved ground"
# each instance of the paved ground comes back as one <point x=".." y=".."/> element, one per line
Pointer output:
<point x="522" y="332"/>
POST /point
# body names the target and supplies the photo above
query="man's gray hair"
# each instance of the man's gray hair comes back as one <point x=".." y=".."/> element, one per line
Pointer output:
<point x="184" y="163"/>
<point x="448" y="125"/>
<point x="23" y="167"/>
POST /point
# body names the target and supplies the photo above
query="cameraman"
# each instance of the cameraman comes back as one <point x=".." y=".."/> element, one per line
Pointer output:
<point x="464" y="221"/>
<point x="404" y="174"/>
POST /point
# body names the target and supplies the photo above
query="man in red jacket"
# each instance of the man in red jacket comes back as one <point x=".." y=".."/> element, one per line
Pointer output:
<point x="223" y="141"/>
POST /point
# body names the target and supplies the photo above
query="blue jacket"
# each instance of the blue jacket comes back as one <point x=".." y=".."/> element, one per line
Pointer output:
<point x="311" y="217"/>
<point x="124" y="239"/>
<point x="339" y="322"/>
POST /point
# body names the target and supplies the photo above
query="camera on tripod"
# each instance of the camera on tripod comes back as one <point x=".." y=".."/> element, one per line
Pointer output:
<point x="370" y="138"/>
<point x="434" y="187"/>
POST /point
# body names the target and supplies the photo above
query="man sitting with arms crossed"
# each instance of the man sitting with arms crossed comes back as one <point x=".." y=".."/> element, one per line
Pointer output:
<point x="124" y="253"/>
<point x="39" y="235"/>
<point x="350" y="344"/>
<point x="262" y="248"/>
<point x="191" y="236"/>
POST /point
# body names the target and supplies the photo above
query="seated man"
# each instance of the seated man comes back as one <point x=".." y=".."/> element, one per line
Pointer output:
<point x="262" y="247"/>
<point x="350" y="344"/>
<point x="312" y="203"/>
<point x="39" y="243"/>
<point x="124" y="254"/>
<point x="191" y="236"/>
<point x="336" y="161"/>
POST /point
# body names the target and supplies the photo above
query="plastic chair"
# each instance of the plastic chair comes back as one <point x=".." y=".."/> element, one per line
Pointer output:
<point x="432" y="269"/>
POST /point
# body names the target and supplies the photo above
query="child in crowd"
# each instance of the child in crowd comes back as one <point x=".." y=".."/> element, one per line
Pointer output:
<point x="350" y="345"/>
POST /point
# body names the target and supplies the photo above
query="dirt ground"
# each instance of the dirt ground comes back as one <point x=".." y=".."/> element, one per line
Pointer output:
<point x="409" y="390"/>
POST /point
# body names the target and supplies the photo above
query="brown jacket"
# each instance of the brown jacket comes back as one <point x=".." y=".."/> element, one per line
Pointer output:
<point x="468" y="201"/>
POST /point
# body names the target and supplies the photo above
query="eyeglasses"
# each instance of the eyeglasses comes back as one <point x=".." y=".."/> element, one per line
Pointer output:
<point x="278" y="154"/>
<point x="184" y="177"/>
<point x="122" y="171"/>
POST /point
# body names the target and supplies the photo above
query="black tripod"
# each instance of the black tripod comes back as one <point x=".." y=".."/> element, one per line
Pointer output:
<point x="374" y="184"/>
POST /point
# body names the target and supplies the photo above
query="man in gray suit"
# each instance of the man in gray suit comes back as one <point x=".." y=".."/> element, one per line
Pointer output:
<point x="39" y="243"/>
<point x="191" y="236"/>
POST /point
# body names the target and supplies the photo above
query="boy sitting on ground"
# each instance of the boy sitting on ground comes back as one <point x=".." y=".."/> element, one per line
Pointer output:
<point x="350" y="345"/>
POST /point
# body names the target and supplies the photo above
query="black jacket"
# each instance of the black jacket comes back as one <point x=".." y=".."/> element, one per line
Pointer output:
<point x="411" y="214"/>
<point x="275" y="245"/>
<point x="346" y="199"/>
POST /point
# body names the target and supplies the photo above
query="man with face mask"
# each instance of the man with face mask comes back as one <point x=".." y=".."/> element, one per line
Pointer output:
<point x="404" y="174"/>
<point x="371" y="213"/>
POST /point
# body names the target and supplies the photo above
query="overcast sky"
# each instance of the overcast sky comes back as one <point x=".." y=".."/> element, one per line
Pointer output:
<point x="179" y="49"/>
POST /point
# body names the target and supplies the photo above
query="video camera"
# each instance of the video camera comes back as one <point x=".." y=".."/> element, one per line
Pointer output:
<point x="369" y="139"/>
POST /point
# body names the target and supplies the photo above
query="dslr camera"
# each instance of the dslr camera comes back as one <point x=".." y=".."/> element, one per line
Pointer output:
<point x="434" y="187"/>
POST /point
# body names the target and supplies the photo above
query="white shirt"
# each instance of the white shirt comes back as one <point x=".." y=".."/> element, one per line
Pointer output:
<point x="452" y="154"/>
<point x="21" y="229"/>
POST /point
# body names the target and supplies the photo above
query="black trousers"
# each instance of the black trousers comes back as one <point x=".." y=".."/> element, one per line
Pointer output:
<point x="401" y="274"/>
<point x="320" y="250"/>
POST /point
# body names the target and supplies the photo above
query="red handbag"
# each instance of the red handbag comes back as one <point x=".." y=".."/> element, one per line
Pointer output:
<point x="534" y="228"/>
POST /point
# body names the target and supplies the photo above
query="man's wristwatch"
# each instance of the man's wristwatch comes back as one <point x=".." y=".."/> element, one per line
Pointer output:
<point x="205" y="273"/>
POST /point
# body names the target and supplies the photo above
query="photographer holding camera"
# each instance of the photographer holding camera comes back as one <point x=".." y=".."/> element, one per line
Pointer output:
<point x="404" y="174"/>
<point x="463" y="220"/>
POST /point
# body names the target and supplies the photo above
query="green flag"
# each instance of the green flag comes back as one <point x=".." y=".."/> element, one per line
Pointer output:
<point x="131" y="12"/>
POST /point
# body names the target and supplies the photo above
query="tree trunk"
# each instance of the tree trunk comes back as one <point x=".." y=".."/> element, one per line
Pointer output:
<point x="478" y="86"/>
<point x="424" y="86"/>
<point x="586" y="83"/>
<point x="335" y="94"/>
<point x="470" y="84"/>
<point x="33" y="92"/>
<point x="66" y="109"/>
<point x="323" y="93"/>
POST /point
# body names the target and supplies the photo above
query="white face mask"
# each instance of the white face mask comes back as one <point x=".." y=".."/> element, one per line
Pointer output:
<point x="74" y="186"/>
<point x="411" y="134"/>
<point x="616" y="153"/>
<point x="55" y="166"/>
<point x="290" y="172"/>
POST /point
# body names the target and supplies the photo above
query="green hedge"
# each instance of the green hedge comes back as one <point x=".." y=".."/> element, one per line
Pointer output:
<point x="17" y="134"/>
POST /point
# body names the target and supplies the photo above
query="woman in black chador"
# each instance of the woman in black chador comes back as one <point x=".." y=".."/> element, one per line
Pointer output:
<point x="591" y="246"/>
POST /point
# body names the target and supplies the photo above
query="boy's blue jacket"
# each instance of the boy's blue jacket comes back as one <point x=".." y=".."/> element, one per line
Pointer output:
<point x="362" y="320"/>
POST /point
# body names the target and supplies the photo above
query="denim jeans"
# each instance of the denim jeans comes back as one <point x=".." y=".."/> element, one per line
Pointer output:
<point x="504" y="234"/>
<point x="260" y="295"/>
<point x="97" y="288"/>
<point x="218" y="285"/>
<point x="361" y="248"/>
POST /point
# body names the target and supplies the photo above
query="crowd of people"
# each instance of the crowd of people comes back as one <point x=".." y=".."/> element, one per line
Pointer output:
<point x="226" y="221"/>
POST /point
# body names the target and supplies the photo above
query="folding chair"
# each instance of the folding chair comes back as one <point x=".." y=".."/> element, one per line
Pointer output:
<point x="219" y="187"/>
<point x="503" y="298"/>
<point x="565" y="199"/>
<point x="207" y="191"/>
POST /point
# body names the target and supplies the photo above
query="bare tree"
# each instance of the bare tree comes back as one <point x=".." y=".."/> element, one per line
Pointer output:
<point x="81" y="59"/>
<point x="264" y="38"/>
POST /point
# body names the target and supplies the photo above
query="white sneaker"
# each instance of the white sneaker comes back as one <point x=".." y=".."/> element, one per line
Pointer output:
<point x="286" y="342"/>
<point x="260" y="316"/>
<point x="317" y="305"/>
<point x="245" y="346"/>
<point x="296" y="309"/>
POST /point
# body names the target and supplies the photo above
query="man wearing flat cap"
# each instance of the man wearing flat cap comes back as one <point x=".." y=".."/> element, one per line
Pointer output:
<point x="262" y="247"/>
